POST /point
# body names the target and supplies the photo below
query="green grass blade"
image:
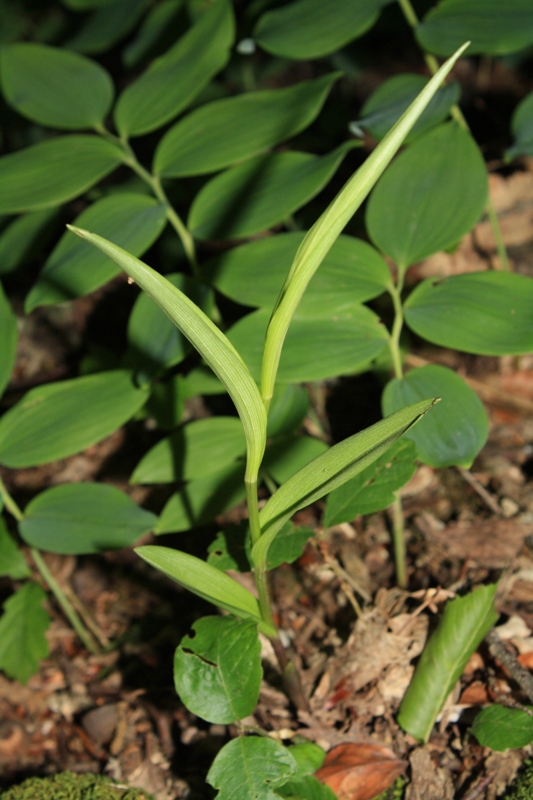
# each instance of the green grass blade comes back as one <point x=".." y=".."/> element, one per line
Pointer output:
<point x="464" y="624"/>
<point x="330" y="470"/>
<point x="210" y="342"/>
<point x="328" y="227"/>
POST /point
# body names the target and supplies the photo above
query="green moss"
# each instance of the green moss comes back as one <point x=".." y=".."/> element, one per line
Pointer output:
<point x="522" y="788"/>
<point x="69" y="786"/>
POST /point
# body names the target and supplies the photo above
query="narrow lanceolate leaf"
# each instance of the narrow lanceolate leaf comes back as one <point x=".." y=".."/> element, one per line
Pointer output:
<point x="210" y="342"/>
<point x="8" y="340"/>
<point x="60" y="419"/>
<point x="330" y="470"/>
<point x="328" y="227"/>
<point x="217" y="670"/>
<point x="52" y="172"/>
<point x="55" y="87"/>
<point x="106" y="26"/>
<point x="22" y="632"/>
<point x="522" y="128"/>
<point x="174" y="79"/>
<point x="251" y="767"/>
<point x="204" y="580"/>
<point x="464" y="624"/>
<point x="82" y="518"/>
<point x="228" y="131"/>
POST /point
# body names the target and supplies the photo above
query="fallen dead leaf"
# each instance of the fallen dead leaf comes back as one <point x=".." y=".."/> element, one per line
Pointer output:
<point x="360" y="771"/>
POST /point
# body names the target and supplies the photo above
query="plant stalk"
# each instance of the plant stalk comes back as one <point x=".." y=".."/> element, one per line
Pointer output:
<point x="398" y="540"/>
<point x="49" y="579"/>
<point x="456" y="113"/>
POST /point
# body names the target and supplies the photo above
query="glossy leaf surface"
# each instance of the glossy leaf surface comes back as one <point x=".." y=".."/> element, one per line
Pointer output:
<point x="202" y="579"/>
<point x="203" y="334"/>
<point x="286" y="456"/>
<point x="463" y="626"/>
<point x="287" y="409"/>
<point x="60" y="419"/>
<point x="22" y="632"/>
<point x="217" y="671"/>
<point x="253" y="274"/>
<point x="374" y="488"/>
<point x="228" y="131"/>
<point x="503" y="728"/>
<point x="250" y="767"/>
<point x="255" y="195"/>
<point x="330" y="470"/>
<point x="175" y="78"/>
<point x="316" y="348"/>
<point x="488" y="313"/>
<point x="54" y="171"/>
<point x="8" y="339"/>
<point x="413" y="211"/>
<point x="73" y="269"/>
<point x="306" y="29"/>
<point x="197" y="449"/>
<point x="456" y="429"/>
<point x="203" y="499"/>
<point x="392" y="98"/>
<point x="55" y="87"/>
<point x="82" y="518"/>
<point x="493" y="27"/>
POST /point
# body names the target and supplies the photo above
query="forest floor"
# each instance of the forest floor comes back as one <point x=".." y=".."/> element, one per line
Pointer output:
<point x="353" y="633"/>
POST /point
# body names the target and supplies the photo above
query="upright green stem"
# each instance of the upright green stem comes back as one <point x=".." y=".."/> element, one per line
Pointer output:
<point x="53" y="585"/>
<point x="398" y="540"/>
<point x="433" y="65"/>
<point x="394" y="340"/>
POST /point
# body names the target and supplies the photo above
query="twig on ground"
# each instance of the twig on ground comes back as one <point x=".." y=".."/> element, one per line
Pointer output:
<point x="487" y="498"/>
<point x="519" y="673"/>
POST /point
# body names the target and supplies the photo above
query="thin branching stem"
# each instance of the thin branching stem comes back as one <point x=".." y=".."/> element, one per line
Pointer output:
<point x="49" y="579"/>
<point x="433" y="66"/>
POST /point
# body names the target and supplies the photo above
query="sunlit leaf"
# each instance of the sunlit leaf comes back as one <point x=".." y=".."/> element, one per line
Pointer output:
<point x="503" y="728"/>
<point x="250" y="767"/>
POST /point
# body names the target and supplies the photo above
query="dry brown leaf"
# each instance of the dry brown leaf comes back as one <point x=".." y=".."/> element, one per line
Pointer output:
<point x="360" y="771"/>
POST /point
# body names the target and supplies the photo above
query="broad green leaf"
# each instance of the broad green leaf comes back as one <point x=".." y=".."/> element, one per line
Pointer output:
<point x="253" y="274"/>
<point x="87" y="5"/>
<point x="205" y="581"/>
<point x="231" y="549"/>
<point x="22" y="632"/>
<point x="306" y="788"/>
<point x="251" y="767"/>
<point x="8" y="340"/>
<point x="256" y="195"/>
<point x="54" y="171"/>
<point x="201" y="381"/>
<point x="489" y="313"/>
<point x="330" y="470"/>
<point x="456" y="429"/>
<point x="463" y="626"/>
<point x="330" y="224"/>
<point x="82" y="518"/>
<point x="308" y="756"/>
<point x="413" y="211"/>
<point x="217" y="670"/>
<point x="196" y="450"/>
<point x="287" y="410"/>
<point x="167" y="402"/>
<point x="305" y="29"/>
<point x="12" y="562"/>
<point x="503" y="728"/>
<point x="153" y="27"/>
<point x="19" y="236"/>
<point x="374" y="488"/>
<point x="63" y="418"/>
<point x="286" y="456"/>
<point x="201" y="500"/>
<point x="493" y="27"/>
<point x="133" y="221"/>
<point x="210" y="342"/>
<point x="174" y="79"/>
<point x="107" y="26"/>
<point x="522" y="128"/>
<point x="316" y="348"/>
<point x="228" y="131"/>
<point x="154" y="341"/>
<point x="391" y="99"/>
<point x="54" y="87"/>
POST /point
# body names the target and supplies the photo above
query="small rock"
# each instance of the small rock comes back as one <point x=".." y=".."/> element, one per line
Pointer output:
<point x="100" y="723"/>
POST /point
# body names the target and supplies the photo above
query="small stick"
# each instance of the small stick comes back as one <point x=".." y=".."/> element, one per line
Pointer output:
<point x="487" y="498"/>
<point x="480" y="787"/>
<point x="519" y="673"/>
